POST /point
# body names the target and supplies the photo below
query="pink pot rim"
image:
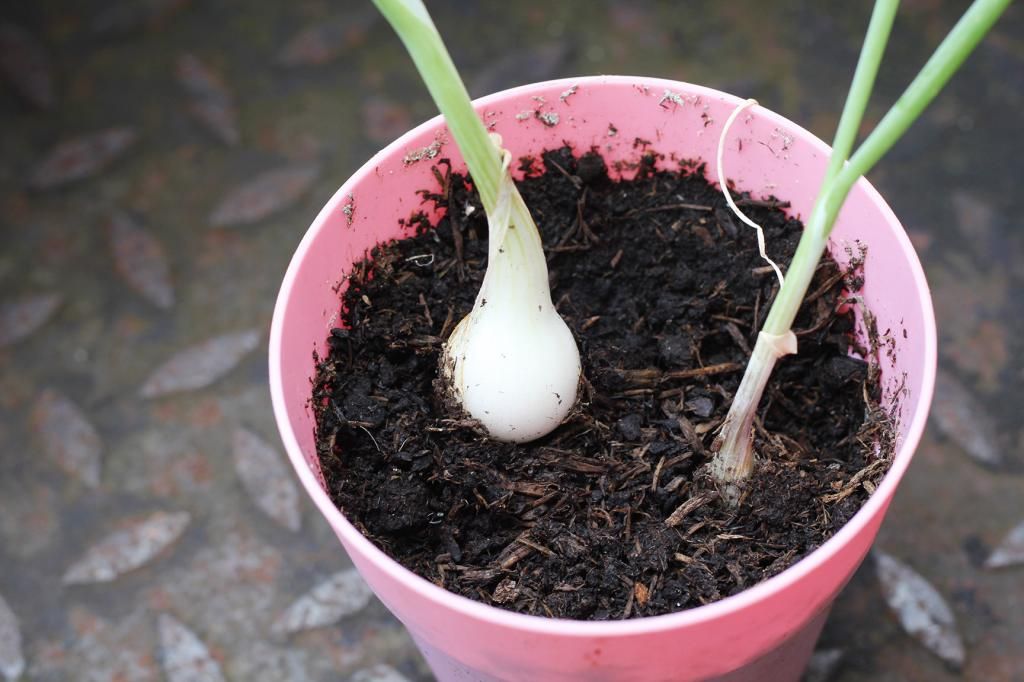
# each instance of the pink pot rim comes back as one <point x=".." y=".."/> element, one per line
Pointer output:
<point x="565" y="627"/>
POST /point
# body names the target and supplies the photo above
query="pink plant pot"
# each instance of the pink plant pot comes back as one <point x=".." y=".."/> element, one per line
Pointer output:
<point x="764" y="633"/>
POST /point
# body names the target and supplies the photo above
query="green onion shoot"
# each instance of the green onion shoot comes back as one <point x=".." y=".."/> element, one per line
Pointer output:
<point x="734" y="460"/>
<point x="512" y="363"/>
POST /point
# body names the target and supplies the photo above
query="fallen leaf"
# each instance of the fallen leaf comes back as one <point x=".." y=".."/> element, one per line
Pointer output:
<point x="383" y="120"/>
<point x="823" y="665"/>
<point x="126" y="16"/>
<point x="529" y="65"/>
<point x="975" y="219"/>
<point x="341" y="595"/>
<point x="140" y="260"/>
<point x="1010" y="551"/>
<point x="12" y="661"/>
<point x="921" y="610"/>
<point x="211" y="103"/>
<point x="973" y="305"/>
<point x="18" y="319"/>
<point x="127" y="549"/>
<point x="265" y="194"/>
<point x="255" y="660"/>
<point x="230" y="587"/>
<point x="93" y="649"/>
<point x="68" y="437"/>
<point x="184" y="656"/>
<point x="81" y="157"/>
<point x="200" y="365"/>
<point x="631" y="19"/>
<point x="167" y="462"/>
<point x="959" y="415"/>
<point x="326" y="41"/>
<point x="265" y="477"/>
<point x="378" y="673"/>
<point x="26" y="66"/>
<point x="985" y="353"/>
<point x="30" y="518"/>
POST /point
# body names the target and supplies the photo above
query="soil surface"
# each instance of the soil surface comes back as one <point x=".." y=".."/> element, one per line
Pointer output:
<point x="609" y="516"/>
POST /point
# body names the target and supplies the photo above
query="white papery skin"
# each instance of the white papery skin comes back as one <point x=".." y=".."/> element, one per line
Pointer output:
<point x="512" y="361"/>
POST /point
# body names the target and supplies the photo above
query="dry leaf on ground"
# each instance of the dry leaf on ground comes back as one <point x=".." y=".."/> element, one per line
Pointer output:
<point x="200" y="365"/>
<point x="12" y="660"/>
<point x="127" y="549"/>
<point x="267" y="479"/>
<point x="378" y="673"/>
<point x="140" y="260"/>
<point x="68" y="437"/>
<point x="264" y="195"/>
<point x="25" y="64"/>
<point x="21" y="317"/>
<point x="1010" y="551"/>
<point x="210" y="101"/>
<point x="327" y="40"/>
<point x="921" y="610"/>
<point x="81" y="157"/>
<point x="341" y="595"/>
<point x="959" y="415"/>
<point x="183" y="655"/>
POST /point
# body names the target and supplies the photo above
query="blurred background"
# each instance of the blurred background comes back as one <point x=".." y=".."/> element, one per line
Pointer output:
<point x="161" y="160"/>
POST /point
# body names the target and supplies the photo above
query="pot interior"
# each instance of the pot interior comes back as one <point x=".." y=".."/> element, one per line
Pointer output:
<point x="621" y="119"/>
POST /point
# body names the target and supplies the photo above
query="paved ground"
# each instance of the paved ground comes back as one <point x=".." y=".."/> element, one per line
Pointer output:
<point x="128" y="541"/>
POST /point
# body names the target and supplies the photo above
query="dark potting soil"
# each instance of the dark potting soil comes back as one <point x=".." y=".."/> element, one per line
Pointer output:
<point x="609" y="516"/>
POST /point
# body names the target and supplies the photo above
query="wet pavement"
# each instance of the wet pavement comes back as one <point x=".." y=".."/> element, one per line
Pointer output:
<point x="162" y="158"/>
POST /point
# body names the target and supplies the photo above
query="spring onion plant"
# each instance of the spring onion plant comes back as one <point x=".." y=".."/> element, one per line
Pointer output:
<point x="734" y="460"/>
<point x="511" y="364"/>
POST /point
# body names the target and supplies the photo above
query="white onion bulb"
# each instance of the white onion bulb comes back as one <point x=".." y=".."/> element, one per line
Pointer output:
<point x="512" y="362"/>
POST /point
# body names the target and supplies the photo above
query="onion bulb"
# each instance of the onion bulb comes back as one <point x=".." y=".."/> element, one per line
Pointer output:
<point x="512" y="364"/>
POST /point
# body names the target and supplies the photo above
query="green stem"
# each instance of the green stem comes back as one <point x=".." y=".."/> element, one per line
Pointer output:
<point x="523" y="272"/>
<point x="413" y="25"/>
<point x="734" y="460"/>
<point x="875" y="40"/>
<point x="811" y="246"/>
<point x="947" y="59"/>
<point x="950" y="54"/>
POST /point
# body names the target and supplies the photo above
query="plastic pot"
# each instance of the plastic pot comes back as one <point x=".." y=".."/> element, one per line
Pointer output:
<point x="764" y="633"/>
